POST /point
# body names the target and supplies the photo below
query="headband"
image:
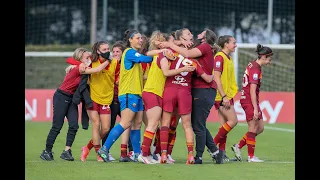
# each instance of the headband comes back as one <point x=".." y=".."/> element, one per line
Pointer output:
<point x="131" y="36"/>
<point x="267" y="54"/>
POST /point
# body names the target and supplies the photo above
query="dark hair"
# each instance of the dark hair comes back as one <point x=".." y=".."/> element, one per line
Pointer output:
<point x="120" y="45"/>
<point x="224" y="39"/>
<point x="178" y="33"/>
<point x="145" y="44"/>
<point x="128" y="34"/>
<point x="95" y="48"/>
<point x="173" y="34"/>
<point x="167" y="35"/>
<point x="263" y="50"/>
<point x="211" y="38"/>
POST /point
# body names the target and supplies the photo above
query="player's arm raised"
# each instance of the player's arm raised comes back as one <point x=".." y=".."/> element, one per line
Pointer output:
<point x="89" y="70"/>
<point x="204" y="76"/>
<point x="189" y="53"/>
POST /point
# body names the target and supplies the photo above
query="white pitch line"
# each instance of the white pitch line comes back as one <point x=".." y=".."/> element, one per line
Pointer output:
<point x="272" y="128"/>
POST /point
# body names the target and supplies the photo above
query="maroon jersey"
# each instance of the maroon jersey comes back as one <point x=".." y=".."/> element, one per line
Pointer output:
<point x="206" y="62"/>
<point x="183" y="79"/>
<point x="71" y="81"/>
<point x="218" y="61"/>
<point x="252" y="74"/>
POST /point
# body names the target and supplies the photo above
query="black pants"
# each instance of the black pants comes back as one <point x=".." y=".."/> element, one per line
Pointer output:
<point x="63" y="107"/>
<point x="203" y="100"/>
<point x="115" y="111"/>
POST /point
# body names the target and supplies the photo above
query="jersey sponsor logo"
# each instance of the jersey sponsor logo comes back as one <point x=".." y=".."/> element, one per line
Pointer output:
<point x="137" y="54"/>
<point x="255" y="76"/>
<point x="218" y="64"/>
<point x="179" y="80"/>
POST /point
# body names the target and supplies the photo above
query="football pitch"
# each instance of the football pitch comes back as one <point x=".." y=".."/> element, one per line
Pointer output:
<point x="276" y="145"/>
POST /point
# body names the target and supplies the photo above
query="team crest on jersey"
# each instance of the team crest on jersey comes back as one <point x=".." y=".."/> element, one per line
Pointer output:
<point x="137" y="54"/>
<point x="255" y="76"/>
<point x="170" y="56"/>
<point x="218" y="64"/>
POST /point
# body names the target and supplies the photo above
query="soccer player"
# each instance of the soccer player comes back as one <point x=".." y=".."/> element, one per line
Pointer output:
<point x="125" y="136"/>
<point x="101" y="92"/>
<point x="224" y="76"/>
<point x="117" y="50"/>
<point x="64" y="107"/>
<point x="203" y="93"/>
<point x="156" y="149"/>
<point x="251" y="83"/>
<point x="152" y="94"/>
<point x="177" y="94"/>
<point x="130" y="91"/>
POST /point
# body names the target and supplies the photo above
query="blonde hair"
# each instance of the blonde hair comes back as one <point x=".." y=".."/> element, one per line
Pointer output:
<point x="155" y="36"/>
<point x="78" y="53"/>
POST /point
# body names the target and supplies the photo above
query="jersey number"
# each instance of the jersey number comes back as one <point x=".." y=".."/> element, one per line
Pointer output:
<point x="245" y="81"/>
<point x="185" y="62"/>
<point x="245" y="76"/>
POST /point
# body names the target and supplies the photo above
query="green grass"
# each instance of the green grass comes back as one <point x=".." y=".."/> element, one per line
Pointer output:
<point x="276" y="147"/>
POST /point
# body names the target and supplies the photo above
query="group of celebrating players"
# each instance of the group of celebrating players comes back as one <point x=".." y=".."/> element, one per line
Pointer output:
<point x="157" y="81"/>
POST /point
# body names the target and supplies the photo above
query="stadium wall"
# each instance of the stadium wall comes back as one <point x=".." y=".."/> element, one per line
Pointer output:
<point x="276" y="107"/>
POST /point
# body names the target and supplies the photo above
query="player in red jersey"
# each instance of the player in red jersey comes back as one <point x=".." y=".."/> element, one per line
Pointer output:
<point x="177" y="95"/>
<point x="203" y="93"/>
<point x="156" y="149"/>
<point x="249" y="100"/>
<point x="64" y="106"/>
<point x="153" y="91"/>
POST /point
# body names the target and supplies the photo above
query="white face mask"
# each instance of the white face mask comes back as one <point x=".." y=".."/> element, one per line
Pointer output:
<point x="111" y="55"/>
<point x="88" y="62"/>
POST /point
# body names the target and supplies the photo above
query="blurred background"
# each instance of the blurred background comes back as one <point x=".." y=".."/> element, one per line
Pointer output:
<point x="55" y="28"/>
<point x="64" y="25"/>
<point x="85" y="21"/>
